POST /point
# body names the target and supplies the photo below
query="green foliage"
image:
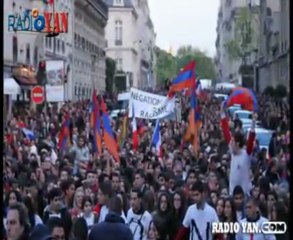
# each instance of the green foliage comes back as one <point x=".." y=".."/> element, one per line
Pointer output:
<point x="204" y="64"/>
<point x="244" y="35"/>
<point x="110" y="74"/>
<point x="281" y="91"/>
<point x="233" y="50"/>
<point x="269" y="91"/>
<point x="166" y="66"/>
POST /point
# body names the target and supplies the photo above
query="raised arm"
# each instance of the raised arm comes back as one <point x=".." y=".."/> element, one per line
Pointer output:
<point x="225" y="125"/>
<point x="251" y="136"/>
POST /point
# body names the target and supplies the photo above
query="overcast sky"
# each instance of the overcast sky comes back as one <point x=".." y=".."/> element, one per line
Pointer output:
<point x="184" y="22"/>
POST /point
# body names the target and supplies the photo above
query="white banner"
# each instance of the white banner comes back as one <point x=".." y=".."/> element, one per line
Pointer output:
<point x="54" y="93"/>
<point x="149" y="106"/>
<point x="55" y="81"/>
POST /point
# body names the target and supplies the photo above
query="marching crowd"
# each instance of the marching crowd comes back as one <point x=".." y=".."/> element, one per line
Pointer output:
<point x="76" y="194"/>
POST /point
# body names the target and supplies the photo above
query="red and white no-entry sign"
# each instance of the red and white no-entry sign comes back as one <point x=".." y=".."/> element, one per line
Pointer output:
<point x="38" y="95"/>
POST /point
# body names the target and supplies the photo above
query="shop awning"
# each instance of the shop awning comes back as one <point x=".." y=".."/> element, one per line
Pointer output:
<point x="11" y="87"/>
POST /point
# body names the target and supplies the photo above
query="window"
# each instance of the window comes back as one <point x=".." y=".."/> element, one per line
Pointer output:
<point x="118" y="2"/>
<point x="47" y="42"/>
<point x="119" y="64"/>
<point x="28" y="54"/>
<point x="36" y="57"/>
<point x="54" y="44"/>
<point x="63" y="47"/>
<point x="118" y="33"/>
<point x="15" y="49"/>
<point x="58" y="45"/>
<point x="50" y="42"/>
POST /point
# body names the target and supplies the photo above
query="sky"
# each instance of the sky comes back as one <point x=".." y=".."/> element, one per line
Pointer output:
<point x="185" y="22"/>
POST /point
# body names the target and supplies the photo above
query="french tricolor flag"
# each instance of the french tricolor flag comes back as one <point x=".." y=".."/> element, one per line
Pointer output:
<point x="156" y="139"/>
<point x="198" y="88"/>
<point x="134" y="131"/>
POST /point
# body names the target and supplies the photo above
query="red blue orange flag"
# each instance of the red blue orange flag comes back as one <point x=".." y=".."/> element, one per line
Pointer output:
<point x="64" y="139"/>
<point x="185" y="79"/>
<point x="192" y="133"/>
<point x="243" y="96"/>
<point x="96" y="124"/>
<point x="109" y="140"/>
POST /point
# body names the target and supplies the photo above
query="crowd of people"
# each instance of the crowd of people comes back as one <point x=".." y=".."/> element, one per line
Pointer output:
<point x="78" y="194"/>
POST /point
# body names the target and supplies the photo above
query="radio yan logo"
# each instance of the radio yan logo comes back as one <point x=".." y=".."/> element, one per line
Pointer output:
<point x="34" y="21"/>
<point x="250" y="227"/>
<point x="274" y="227"/>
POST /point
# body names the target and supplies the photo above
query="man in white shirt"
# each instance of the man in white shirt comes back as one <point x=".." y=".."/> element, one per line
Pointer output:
<point x="252" y="215"/>
<point x="240" y="156"/>
<point x="199" y="217"/>
<point x="138" y="219"/>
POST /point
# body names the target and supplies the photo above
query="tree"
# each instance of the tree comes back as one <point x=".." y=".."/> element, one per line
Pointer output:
<point x="204" y="64"/>
<point x="110" y="74"/>
<point x="165" y="66"/>
<point x="245" y="35"/>
<point x="281" y="91"/>
<point x="269" y="90"/>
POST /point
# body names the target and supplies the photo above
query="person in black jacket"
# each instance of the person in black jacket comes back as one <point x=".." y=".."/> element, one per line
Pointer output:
<point x="114" y="227"/>
<point x="57" y="209"/>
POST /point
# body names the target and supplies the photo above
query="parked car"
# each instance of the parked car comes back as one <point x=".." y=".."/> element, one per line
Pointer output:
<point x="243" y="114"/>
<point x="232" y="109"/>
<point x="114" y="114"/>
<point x="221" y="96"/>
<point x="263" y="136"/>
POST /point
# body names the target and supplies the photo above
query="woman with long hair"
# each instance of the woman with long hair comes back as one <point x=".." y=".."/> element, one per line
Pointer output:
<point x="77" y="203"/>
<point x="220" y="208"/>
<point x="164" y="214"/>
<point x="229" y="216"/>
<point x="179" y="209"/>
<point x="87" y="212"/>
<point x="34" y="218"/>
<point x="279" y="213"/>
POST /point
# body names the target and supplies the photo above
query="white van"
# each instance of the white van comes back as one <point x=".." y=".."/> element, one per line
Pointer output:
<point x="225" y="86"/>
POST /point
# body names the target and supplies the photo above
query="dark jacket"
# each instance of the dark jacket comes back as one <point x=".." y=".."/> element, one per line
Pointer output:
<point x="65" y="217"/>
<point x="113" y="228"/>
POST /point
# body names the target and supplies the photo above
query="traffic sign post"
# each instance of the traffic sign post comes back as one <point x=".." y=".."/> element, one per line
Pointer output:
<point x="38" y="95"/>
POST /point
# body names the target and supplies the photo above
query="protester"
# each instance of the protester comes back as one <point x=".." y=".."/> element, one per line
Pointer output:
<point x="76" y="183"/>
<point x="114" y="226"/>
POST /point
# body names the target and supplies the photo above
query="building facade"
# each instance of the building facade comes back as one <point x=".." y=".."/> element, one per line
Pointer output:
<point x="61" y="46"/>
<point x="228" y="69"/>
<point x="274" y="56"/>
<point x="89" y="58"/>
<point x="21" y="47"/>
<point x="131" y="40"/>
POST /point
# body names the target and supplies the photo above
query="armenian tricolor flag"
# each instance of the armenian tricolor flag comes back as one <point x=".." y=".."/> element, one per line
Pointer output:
<point x="95" y="123"/>
<point x="185" y="79"/>
<point x="108" y="136"/>
<point x="64" y="139"/>
<point x="192" y="133"/>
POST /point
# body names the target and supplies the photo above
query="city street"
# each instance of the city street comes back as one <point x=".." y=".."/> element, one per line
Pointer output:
<point x="146" y="120"/>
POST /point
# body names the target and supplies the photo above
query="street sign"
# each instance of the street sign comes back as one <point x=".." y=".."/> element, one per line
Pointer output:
<point x="38" y="95"/>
